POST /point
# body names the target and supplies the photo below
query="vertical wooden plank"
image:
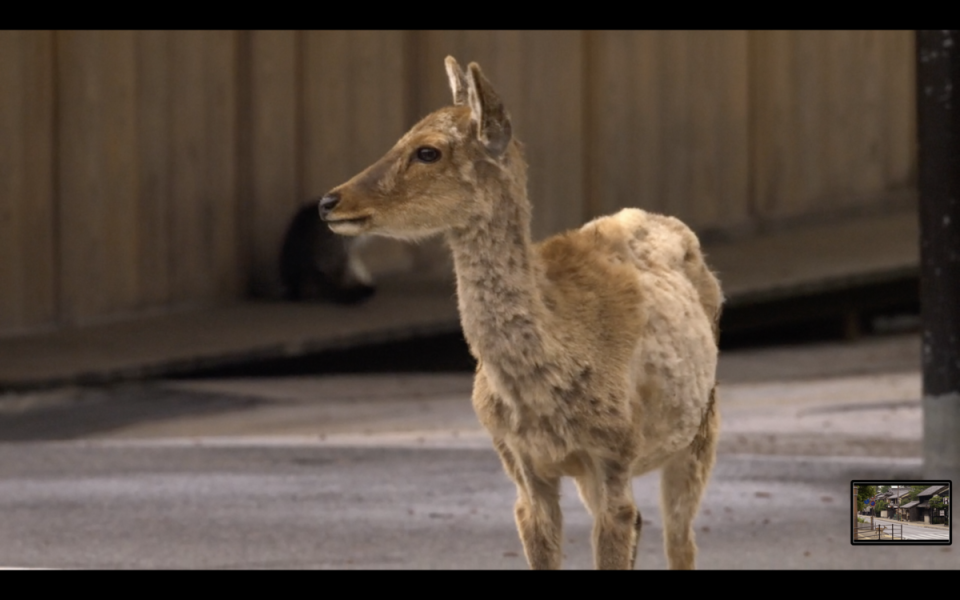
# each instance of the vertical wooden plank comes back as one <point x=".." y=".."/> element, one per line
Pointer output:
<point x="27" y="242"/>
<point x="675" y="99"/>
<point x="11" y="181"/>
<point x="857" y="116"/>
<point x="538" y="74"/>
<point x="732" y="145"/>
<point x="220" y="185"/>
<point x="852" y="117"/>
<point x="769" y="120"/>
<point x="120" y="162"/>
<point x="154" y="167"/>
<point x="328" y="137"/>
<point x="634" y="122"/>
<point x="98" y="180"/>
<point x="834" y="120"/>
<point x="269" y="185"/>
<point x="837" y="125"/>
<point x="870" y="128"/>
<point x="553" y="103"/>
<point x="670" y="110"/>
<point x="718" y="195"/>
<point x="701" y="193"/>
<point x="378" y="63"/>
<point x="189" y="259"/>
<point x="354" y="105"/>
<point x="79" y="158"/>
<point x="38" y="235"/>
<point x="804" y="144"/>
<point x="204" y="255"/>
<point x="899" y="147"/>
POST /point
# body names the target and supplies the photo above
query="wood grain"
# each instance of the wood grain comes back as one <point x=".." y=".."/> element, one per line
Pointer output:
<point x="28" y="283"/>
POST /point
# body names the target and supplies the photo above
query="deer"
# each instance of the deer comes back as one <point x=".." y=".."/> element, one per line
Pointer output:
<point x="596" y="348"/>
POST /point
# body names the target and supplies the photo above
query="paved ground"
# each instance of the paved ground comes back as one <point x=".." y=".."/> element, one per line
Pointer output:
<point x="936" y="527"/>
<point x="392" y="471"/>
<point x="260" y="505"/>
<point x="912" y="530"/>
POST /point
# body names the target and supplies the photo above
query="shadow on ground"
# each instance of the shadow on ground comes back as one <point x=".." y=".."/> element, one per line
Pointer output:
<point x="77" y="412"/>
<point x="80" y="412"/>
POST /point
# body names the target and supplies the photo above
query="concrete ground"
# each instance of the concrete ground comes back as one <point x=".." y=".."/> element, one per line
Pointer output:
<point x="393" y="471"/>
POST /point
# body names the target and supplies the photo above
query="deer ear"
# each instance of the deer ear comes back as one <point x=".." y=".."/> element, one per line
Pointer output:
<point x="487" y="110"/>
<point x="458" y="81"/>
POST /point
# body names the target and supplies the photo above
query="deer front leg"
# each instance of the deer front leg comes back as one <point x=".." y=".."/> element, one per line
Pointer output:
<point x="616" y="524"/>
<point x="592" y="493"/>
<point x="537" y="512"/>
<point x="540" y="523"/>
<point x="637" y="526"/>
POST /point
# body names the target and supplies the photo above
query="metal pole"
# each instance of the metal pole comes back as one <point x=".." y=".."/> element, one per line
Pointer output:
<point x="938" y="129"/>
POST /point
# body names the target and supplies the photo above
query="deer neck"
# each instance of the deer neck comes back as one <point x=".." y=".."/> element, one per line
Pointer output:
<point x="501" y="308"/>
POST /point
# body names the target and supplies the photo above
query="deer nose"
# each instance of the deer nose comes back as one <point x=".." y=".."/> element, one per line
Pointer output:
<point x="327" y="203"/>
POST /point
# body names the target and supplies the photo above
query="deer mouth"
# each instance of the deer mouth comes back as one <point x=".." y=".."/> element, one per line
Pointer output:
<point x="351" y="226"/>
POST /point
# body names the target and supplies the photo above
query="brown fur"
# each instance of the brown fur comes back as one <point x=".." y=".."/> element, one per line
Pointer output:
<point x="597" y="348"/>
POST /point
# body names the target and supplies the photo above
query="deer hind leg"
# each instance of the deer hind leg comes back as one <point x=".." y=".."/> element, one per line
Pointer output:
<point x="683" y="480"/>
<point x="537" y="512"/>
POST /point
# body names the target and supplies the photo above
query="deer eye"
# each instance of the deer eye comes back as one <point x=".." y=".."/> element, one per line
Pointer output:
<point x="427" y="154"/>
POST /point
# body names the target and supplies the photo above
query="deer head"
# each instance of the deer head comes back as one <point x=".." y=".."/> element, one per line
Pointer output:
<point x="432" y="179"/>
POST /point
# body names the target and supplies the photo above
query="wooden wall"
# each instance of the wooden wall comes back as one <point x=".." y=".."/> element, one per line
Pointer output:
<point x="156" y="170"/>
<point x="146" y="194"/>
<point x="668" y="124"/>
<point x="833" y="119"/>
<point x="28" y="243"/>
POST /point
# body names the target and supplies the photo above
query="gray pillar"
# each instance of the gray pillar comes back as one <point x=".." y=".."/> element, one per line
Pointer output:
<point x="938" y="100"/>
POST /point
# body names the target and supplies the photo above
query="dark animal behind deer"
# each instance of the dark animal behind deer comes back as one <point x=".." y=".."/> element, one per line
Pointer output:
<point x="318" y="265"/>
